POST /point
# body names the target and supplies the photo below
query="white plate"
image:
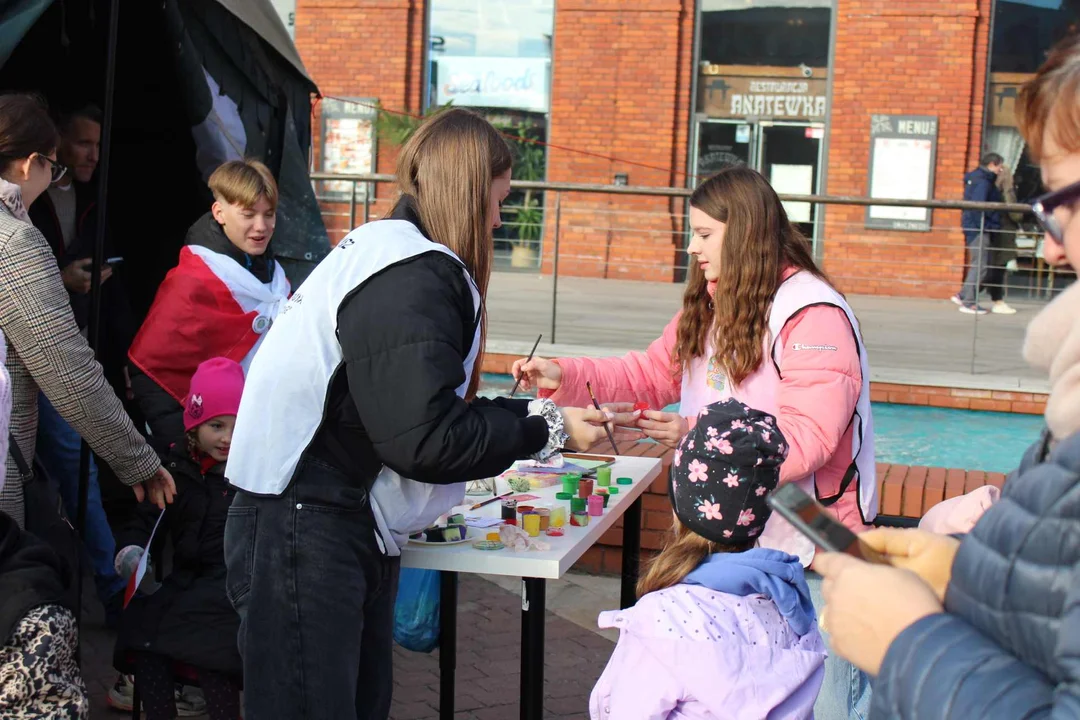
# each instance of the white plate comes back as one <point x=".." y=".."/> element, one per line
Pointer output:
<point x="465" y="539"/>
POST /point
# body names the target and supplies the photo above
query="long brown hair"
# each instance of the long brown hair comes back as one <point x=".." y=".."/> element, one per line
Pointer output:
<point x="759" y="245"/>
<point x="683" y="551"/>
<point x="447" y="167"/>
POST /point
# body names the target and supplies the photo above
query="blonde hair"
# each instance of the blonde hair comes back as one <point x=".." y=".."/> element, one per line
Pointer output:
<point x="683" y="551"/>
<point x="447" y="167"/>
<point x="243" y="182"/>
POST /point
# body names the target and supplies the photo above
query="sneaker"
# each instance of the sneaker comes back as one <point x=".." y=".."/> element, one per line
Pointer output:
<point x="189" y="701"/>
<point x="122" y="694"/>
<point x="972" y="309"/>
<point x="956" y="300"/>
<point x="1000" y="308"/>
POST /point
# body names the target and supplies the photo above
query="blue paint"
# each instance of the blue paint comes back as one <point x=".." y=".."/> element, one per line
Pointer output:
<point x="911" y="435"/>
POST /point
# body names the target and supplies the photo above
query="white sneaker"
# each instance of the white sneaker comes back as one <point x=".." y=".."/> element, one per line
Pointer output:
<point x="122" y="693"/>
<point x="1000" y="308"/>
<point x="189" y="701"/>
<point x="973" y="309"/>
<point x="956" y="299"/>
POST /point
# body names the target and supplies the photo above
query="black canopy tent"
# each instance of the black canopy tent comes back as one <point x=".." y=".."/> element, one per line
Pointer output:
<point x="185" y="85"/>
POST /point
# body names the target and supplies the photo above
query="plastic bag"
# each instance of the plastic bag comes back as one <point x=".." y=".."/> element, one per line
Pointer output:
<point x="416" y="613"/>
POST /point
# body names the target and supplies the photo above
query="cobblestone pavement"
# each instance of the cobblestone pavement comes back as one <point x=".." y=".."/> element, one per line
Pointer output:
<point x="488" y="663"/>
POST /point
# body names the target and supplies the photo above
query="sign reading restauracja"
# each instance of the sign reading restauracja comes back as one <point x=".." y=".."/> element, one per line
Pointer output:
<point x="744" y="91"/>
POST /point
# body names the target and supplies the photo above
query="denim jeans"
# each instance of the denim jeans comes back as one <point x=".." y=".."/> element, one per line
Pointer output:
<point x="58" y="446"/>
<point x="981" y="273"/>
<point x="845" y="691"/>
<point x="315" y="594"/>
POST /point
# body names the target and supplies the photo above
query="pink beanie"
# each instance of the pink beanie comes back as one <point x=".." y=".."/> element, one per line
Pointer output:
<point x="216" y="388"/>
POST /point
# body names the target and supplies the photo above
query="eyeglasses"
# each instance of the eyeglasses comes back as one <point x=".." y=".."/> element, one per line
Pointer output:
<point x="58" y="170"/>
<point x="1044" y="208"/>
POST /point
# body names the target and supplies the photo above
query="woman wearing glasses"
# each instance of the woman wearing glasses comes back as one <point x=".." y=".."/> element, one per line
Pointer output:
<point x="989" y="626"/>
<point x="45" y="350"/>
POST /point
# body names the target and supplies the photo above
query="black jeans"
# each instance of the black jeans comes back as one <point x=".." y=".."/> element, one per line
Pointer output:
<point x="982" y="273"/>
<point x="315" y="594"/>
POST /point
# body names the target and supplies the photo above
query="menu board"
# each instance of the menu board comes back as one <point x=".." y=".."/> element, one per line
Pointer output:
<point x="348" y="144"/>
<point x="903" y="151"/>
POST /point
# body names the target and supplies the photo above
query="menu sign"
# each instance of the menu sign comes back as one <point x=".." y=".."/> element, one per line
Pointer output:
<point x="743" y="92"/>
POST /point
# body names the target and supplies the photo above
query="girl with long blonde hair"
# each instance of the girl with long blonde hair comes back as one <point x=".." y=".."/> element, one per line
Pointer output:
<point x="760" y="323"/>
<point x="360" y="425"/>
<point x="722" y="629"/>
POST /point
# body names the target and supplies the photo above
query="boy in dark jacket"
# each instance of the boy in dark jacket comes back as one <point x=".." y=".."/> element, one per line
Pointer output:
<point x="980" y="232"/>
<point x="189" y="619"/>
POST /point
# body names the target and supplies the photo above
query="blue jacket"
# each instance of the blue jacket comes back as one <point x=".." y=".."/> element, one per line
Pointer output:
<point x="980" y="185"/>
<point x="1009" y="644"/>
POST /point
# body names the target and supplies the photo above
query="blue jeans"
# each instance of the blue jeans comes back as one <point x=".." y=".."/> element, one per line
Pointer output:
<point x="58" y="451"/>
<point x="315" y="595"/>
<point x="845" y="692"/>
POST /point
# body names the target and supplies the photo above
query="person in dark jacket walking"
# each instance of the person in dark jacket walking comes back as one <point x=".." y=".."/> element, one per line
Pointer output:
<point x="220" y="299"/>
<point x="360" y="425"/>
<point x="189" y="619"/>
<point x="981" y="231"/>
<point x="989" y="626"/>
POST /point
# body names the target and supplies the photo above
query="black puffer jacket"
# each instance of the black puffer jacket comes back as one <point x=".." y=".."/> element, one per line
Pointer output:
<point x="1009" y="644"/>
<point x="188" y="619"/>
<point x="31" y="575"/>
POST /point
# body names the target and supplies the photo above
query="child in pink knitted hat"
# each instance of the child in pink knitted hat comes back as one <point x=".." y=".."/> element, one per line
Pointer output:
<point x="189" y="620"/>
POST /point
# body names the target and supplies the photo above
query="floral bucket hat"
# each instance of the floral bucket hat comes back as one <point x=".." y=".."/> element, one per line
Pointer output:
<point x="723" y="469"/>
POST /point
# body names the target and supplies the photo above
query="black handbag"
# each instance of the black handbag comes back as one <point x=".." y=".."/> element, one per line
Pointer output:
<point x="47" y="520"/>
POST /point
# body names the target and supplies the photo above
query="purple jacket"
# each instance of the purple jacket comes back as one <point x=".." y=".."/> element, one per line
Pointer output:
<point x="693" y="653"/>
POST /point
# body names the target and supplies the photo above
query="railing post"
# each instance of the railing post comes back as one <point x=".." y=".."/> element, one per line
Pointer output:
<point x="352" y="206"/>
<point x="367" y="201"/>
<point x="978" y="287"/>
<point x="555" y="265"/>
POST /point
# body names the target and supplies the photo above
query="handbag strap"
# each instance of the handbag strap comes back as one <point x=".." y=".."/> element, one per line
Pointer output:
<point x="20" y="461"/>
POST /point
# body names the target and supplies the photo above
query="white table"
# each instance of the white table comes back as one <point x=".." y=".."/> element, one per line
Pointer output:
<point x="534" y="568"/>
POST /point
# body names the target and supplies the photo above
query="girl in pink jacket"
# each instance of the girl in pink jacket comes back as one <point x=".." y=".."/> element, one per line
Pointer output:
<point x="723" y="629"/>
<point x="760" y="323"/>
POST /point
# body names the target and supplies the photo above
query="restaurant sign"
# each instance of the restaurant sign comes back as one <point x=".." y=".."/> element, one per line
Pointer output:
<point x="727" y="94"/>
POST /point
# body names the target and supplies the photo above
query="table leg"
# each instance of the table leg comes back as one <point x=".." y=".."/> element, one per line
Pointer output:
<point x="448" y="597"/>
<point x="631" y="551"/>
<point x="533" y="595"/>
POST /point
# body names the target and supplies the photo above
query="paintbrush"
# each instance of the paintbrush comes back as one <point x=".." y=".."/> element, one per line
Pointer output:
<point x="517" y="383"/>
<point x="491" y="500"/>
<point x="610" y="437"/>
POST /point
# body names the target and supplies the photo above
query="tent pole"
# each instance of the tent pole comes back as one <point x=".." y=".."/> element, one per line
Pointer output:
<point x="99" y="259"/>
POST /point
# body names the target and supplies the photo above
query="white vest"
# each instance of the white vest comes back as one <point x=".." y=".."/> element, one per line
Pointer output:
<point x="288" y="382"/>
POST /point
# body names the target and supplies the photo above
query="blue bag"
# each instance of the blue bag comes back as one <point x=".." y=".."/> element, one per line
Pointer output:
<point x="416" y="613"/>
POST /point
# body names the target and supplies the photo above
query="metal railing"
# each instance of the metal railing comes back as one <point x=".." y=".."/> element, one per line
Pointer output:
<point x="586" y="241"/>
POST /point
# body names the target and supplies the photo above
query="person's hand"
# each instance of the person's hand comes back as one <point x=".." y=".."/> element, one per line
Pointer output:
<point x="663" y="427"/>
<point x="928" y="555"/>
<point x="537" y="373"/>
<point x="160" y="487"/>
<point x="584" y="426"/>
<point x="869" y="606"/>
<point x="77" y="277"/>
<point x="623" y="419"/>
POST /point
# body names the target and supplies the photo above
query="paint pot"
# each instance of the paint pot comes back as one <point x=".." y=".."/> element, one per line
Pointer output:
<point x="545" y="518"/>
<point x="603" y="476"/>
<point x="613" y="490"/>
<point x="509" y="509"/>
<point x="596" y="505"/>
<point x="558" y="517"/>
<point x="603" y="494"/>
<point x="564" y="495"/>
<point x="531" y="523"/>
<point x="579" y="519"/>
<point x="584" y="488"/>
<point x="493" y="537"/>
<point x="625" y="481"/>
<point x="578" y="505"/>
<point x="555" y="532"/>
<point x="570" y="482"/>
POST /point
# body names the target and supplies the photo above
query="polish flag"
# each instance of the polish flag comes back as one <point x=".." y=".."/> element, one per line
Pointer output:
<point x="208" y="306"/>
<point x="140" y="570"/>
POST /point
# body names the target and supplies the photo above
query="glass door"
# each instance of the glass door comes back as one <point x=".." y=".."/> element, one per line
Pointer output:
<point x="720" y="143"/>
<point x="789" y="156"/>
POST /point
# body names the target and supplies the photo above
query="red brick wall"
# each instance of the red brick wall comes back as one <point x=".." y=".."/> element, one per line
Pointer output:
<point x="620" y="88"/>
<point x="920" y="57"/>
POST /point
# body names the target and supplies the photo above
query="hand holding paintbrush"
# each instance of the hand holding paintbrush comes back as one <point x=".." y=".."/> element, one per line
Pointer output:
<point x="607" y="428"/>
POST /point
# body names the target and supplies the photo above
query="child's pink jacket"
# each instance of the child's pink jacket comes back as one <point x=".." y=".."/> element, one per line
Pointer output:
<point x="817" y="395"/>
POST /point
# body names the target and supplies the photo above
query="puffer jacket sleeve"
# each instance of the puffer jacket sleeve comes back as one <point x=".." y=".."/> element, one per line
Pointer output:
<point x="1009" y="644"/>
<point x="36" y="317"/>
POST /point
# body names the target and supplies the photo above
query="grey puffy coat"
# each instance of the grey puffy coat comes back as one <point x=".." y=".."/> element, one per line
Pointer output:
<point x="1009" y="645"/>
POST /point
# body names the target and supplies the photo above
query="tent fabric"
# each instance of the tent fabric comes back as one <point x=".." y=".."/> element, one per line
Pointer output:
<point x="265" y="21"/>
<point x="15" y="20"/>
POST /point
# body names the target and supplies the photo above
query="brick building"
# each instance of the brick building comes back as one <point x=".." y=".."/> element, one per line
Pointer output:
<point x="658" y="92"/>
